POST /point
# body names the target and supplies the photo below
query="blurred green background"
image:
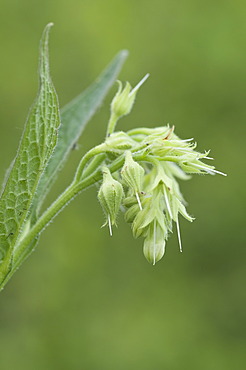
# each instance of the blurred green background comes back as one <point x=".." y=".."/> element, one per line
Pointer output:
<point x="84" y="300"/>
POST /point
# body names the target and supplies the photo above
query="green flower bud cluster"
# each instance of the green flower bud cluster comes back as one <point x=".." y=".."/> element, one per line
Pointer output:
<point x="141" y="169"/>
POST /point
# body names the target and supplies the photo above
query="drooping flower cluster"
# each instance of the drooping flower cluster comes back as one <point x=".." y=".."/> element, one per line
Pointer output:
<point x="144" y="181"/>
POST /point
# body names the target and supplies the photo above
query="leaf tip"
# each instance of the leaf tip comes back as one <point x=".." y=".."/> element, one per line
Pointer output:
<point x="46" y="32"/>
<point x="124" y="53"/>
<point x="49" y="25"/>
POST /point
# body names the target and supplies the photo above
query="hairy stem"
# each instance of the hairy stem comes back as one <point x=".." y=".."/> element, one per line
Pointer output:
<point x="90" y="154"/>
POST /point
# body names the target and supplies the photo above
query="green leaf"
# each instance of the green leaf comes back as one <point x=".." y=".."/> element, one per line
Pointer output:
<point x="35" y="150"/>
<point x="41" y="154"/>
<point x="74" y="117"/>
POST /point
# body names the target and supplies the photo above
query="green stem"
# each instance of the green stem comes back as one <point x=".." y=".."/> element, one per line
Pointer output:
<point x="112" y="124"/>
<point x="45" y="219"/>
<point x="93" y="165"/>
<point x="94" y="151"/>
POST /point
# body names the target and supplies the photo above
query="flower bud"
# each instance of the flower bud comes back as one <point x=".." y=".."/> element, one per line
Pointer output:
<point x="124" y="98"/>
<point x="129" y="201"/>
<point x="133" y="174"/>
<point x="131" y="213"/>
<point x="123" y="101"/>
<point x="154" y="243"/>
<point x="119" y="141"/>
<point x="110" y="196"/>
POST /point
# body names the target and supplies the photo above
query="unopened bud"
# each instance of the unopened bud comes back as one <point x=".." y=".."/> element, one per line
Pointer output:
<point x="131" y="213"/>
<point x="142" y="220"/>
<point x="110" y="196"/>
<point x="119" y="141"/>
<point x="124" y="98"/>
<point x="133" y="174"/>
<point x="154" y="243"/>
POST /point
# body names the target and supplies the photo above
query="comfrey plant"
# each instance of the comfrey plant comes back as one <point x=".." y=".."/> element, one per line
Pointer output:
<point x="137" y="170"/>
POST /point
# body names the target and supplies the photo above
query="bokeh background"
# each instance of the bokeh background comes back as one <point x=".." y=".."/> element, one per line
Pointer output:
<point x="84" y="300"/>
